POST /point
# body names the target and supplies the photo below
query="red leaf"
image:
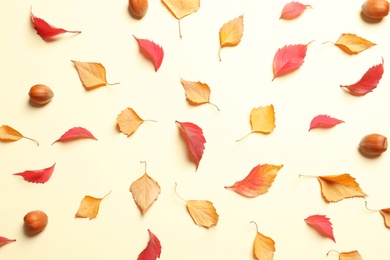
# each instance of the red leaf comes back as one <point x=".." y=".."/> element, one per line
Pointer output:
<point x="4" y="240"/>
<point x="152" y="250"/>
<point x="195" y="139"/>
<point x="293" y="10"/>
<point x="37" y="176"/>
<point x="75" y="133"/>
<point x="368" y="82"/>
<point x="322" y="224"/>
<point x="45" y="30"/>
<point x="324" y="121"/>
<point x="151" y="51"/>
<point x="288" y="59"/>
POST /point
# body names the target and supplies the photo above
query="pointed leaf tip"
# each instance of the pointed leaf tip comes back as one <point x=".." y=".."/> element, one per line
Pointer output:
<point x="322" y="225"/>
<point x="37" y="176"/>
<point x="151" y="51"/>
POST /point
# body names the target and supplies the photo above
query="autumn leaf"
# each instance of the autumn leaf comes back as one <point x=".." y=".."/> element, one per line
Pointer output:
<point x="353" y="44"/>
<point x="4" y="240"/>
<point x="45" y="30"/>
<point x="262" y="120"/>
<point x="202" y="212"/>
<point x="322" y="225"/>
<point x="91" y="74"/>
<point x="89" y="207"/>
<point x="293" y="10"/>
<point x="385" y="214"/>
<point x="182" y="8"/>
<point x="37" y="176"/>
<point x="196" y="92"/>
<point x="74" y="134"/>
<point x="288" y="59"/>
<point x="9" y="134"/>
<point x="195" y="139"/>
<point x="145" y="191"/>
<point x="152" y="250"/>
<point x="263" y="246"/>
<point x="368" y="81"/>
<point x="231" y="33"/>
<point x="338" y="187"/>
<point x="257" y="182"/>
<point x="324" y="121"/>
<point x="128" y="121"/>
<point x="151" y="51"/>
<point x="352" y="255"/>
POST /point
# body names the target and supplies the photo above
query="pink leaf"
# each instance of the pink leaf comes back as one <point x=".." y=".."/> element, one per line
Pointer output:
<point x="151" y="51"/>
<point x="37" y="176"/>
<point x="75" y="133"/>
<point x="293" y="10"/>
<point x="4" y="240"/>
<point x="288" y="59"/>
<point x="368" y="82"/>
<point x="321" y="224"/>
<point x="195" y="139"/>
<point x="324" y="121"/>
<point x="152" y="250"/>
<point x="45" y="30"/>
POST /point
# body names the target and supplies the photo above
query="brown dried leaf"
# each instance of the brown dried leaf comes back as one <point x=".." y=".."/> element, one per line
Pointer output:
<point x="202" y="212"/>
<point x="353" y="44"/>
<point x="128" y="121"/>
<point x="89" y="207"/>
<point x="338" y="187"/>
<point x="196" y="92"/>
<point x="91" y="74"/>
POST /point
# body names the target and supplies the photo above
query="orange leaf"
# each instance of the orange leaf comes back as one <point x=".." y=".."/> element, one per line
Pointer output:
<point x="91" y="74"/>
<point x="258" y="181"/>
<point x="385" y="214"/>
<point x="128" y="121"/>
<point x="8" y="134"/>
<point x="145" y="191"/>
<point x="353" y="255"/>
<point x="262" y="120"/>
<point x="89" y="207"/>
<point x="196" y="92"/>
<point x="182" y="8"/>
<point x="263" y="246"/>
<point x="231" y="33"/>
<point x="353" y="44"/>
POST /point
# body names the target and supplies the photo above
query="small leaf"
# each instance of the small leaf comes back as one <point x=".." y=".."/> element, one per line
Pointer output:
<point x="152" y="250"/>
<point x="353" y="44"/>
<point x="324" y="121"/>
<point x="288" y="58"/>
<point x="258" y="181"/>
<point x="45" y="30"/>
<point x="263" y="246"/>
<point x="353" y="255"/>
<point x="293" y="10"/>
<point x="89" y="207"/>
<point x="322" y="225"/>
<point x="196" y="92"/>
<point x="4" y="240"/>
<point x="195" y="139"/>
<point x="128" y="121"/>
<point x="151" y="51"/>
<point x="8" y="134"/>
<point x="74" y="134"/>
<point x="91" y="74"/>
<point x="385" y="214"/>
<point x="37" y="176"/>
<point x="182" y="8"/>
<point x="368" y="81"/>
<point x="231" y="33"/>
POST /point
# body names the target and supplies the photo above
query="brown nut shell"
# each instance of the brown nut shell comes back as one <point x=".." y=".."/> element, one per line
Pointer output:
<point x="40" y="94"/>
<point x="375" y="9"/>
<point x="138" y="8"/>
<point x="35" y="221"/>
<point x="373" y="145"/>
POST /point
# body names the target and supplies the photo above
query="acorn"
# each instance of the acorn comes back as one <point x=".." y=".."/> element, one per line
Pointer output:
<point x="373" y="145"/>
<point x="376" y="9"/>
<point x="40" y="94"/>
<point x="35" y="221"/>
<point x="138" y="8"/>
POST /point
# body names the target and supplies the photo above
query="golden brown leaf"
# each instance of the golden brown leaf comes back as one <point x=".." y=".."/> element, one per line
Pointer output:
<point x="353" y="44"/>
<point x="91" y="74"/>
<point x="338" y="187"/>
<point x="182" y="8"/>
<point x="202" y="212"/>
<point x="353" y="255"/>
<point x="385" y="214"/>
<point x="9" y="134"/>
<point x="231" y="33"/>
<point x="196" y="92"/>
<point x="89" y="207"/>
<point x="128" y="121"/>
<point x="263" y="246"/>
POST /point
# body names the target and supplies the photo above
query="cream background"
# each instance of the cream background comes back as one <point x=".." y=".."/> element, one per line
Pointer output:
<point x="239" y="83"/>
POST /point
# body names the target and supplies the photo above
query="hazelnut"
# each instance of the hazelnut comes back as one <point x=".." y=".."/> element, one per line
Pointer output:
<point x="376" y="8"/>
<point x="373" y="145"/>
<point x="138" y="8"/>
<point x="35" y="221"/>
<point x="40" y="94"/>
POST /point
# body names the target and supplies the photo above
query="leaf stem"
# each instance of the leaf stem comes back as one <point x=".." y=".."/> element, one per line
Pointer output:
<point x="243" y="137"/>
<point x="219" y="54"/>
<point x="178" y="194"/>
<point x="372" y="210"/>
<point x="307" y="176"/>
<point x="257" y="228"/>
<point x="112" y="84"/>
<point x="74" y="32"/>
<point x="31" y="139"/>
<point x="178" y="21"/>
<point x="215" y="106"/>
<point x="332" y="251"/>
<point x="150" y="120"/>
<point x="145" y="164"/>
<point x="106" y="195"/>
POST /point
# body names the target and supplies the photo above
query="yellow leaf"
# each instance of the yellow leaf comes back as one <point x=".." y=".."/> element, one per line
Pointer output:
<point x="263" y="246"/>
<point x="231" y="33"/>
<point x="9" y="134"/>
<point x="89" y="207"/>
<point x="338" y="187"/>
<point x="182" y="8"/>
<point x="353" y="44"/>
<point x="128" y="121"/>
<point x="196" y="92"/>
<point x="202" y="212"/>
<point x="353" y="255"/>
<point x="91" y="74"/>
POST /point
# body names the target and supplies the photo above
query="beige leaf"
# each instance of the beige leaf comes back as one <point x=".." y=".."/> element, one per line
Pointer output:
<point x="202" y="212"/>
<point x="89" y="207"/>
<point x="196" y="92"/>
<point x="91" y="74"/>
<point x="9" y="134"/>
<point x="338" y="187"/>
<point x="263" y="246"/>
<point x="353" y="44"/>
<point x="128" y="121"/>
<point x="231" y="33"/>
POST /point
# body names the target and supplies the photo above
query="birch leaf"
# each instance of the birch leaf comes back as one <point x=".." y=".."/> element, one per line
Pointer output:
<point x="197" y="93"/>
<point x="231" y="33"/>
<point x="89" y="207"/>
<point x="385" y="214"/>
<point x="352" y="255"/>
<point x="353" y="44"/>
<point x="9" y="134"/>
<point x="263" y="246"/>
<point x="91" y="74"/>
<point x="128" y="121"/>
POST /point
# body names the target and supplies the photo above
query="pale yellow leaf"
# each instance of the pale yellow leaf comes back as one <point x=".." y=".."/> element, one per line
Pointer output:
<point x="263" y="119"/>
<point x="353" y="44"/>
<point x="196" y="92"/>
<point x="145" y="191"/>
<point x="231" y="33"/>
<point x="91" y="74"/>
<point x="89" y="207"/>
<point x="338" y="187"/>
<point x="202" y="212"/>
<point x="128" y="121"/>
